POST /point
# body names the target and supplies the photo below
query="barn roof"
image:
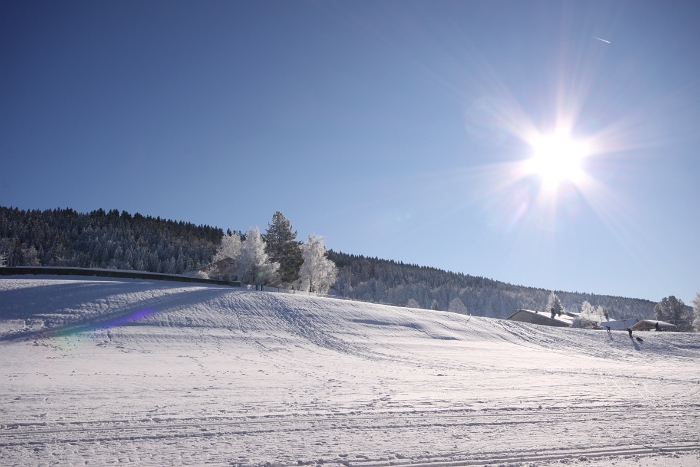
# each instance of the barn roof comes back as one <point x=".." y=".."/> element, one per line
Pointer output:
<point x="544" y="319"/>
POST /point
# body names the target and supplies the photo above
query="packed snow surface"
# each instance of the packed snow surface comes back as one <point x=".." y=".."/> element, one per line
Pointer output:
<point x="157" y="373"/>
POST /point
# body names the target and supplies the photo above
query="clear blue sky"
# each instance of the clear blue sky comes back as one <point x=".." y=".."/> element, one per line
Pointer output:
<point x="394" y="129"/>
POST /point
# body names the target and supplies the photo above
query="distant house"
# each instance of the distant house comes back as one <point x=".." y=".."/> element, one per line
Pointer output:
<point x="223" y="270"/>
<point x="621" y="325"/>
<point x="649" y="324"/>
<point x="544" y="319"/>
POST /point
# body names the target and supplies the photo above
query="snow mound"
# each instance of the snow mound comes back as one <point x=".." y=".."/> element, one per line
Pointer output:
<point x="158" y="373"/>
<point x="42" y="308"/>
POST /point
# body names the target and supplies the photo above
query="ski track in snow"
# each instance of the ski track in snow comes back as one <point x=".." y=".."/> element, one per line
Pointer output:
<point x="155" y="373"/>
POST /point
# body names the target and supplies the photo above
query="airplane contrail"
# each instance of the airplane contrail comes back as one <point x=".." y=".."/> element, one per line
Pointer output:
<point x="601" y="39"/>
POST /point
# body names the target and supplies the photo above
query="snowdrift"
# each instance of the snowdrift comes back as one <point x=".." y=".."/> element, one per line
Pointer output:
<point x="162" y="373"/>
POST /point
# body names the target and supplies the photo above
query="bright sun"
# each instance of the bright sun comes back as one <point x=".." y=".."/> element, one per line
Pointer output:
<point x="556" y="158"/>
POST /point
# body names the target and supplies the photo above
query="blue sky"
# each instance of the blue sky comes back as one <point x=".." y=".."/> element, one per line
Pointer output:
<point x="395" y="129"/>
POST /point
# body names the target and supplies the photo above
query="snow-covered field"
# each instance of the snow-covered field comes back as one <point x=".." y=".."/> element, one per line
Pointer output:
<point x="100" y="371"/>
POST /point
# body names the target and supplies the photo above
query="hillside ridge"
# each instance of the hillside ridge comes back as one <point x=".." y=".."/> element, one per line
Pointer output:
<point x="119" y="240"/>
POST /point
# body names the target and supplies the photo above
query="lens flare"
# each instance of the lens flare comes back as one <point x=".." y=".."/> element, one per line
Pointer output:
<point x="71" y="330"/>
<point x="556" y="159"/>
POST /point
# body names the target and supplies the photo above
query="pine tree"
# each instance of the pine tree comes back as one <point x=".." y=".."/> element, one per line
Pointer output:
<point x="283" y="248"/>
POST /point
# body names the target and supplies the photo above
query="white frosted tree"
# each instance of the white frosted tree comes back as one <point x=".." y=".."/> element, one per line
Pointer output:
<point x="554" y="305"/>
<point x="587" y="310"/>
<point x="230" y="247"/>
<point x="412" y="303"/>
<point x="592" y="313"/>
<point x="696" y="311"/>
<point x="317" y="272"/>
<point x="254" y="266"/>
<point x="3" y="260"/>
<point x="456" y="306"/>
<point x="589" y="317"/>
<point x="674" y="311"/>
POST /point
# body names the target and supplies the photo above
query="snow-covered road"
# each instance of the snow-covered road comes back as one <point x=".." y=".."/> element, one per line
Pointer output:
<point x="156" y="373"/>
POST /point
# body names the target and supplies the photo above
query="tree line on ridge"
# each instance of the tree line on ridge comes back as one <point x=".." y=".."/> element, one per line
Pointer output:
<point x="119" y="240"/>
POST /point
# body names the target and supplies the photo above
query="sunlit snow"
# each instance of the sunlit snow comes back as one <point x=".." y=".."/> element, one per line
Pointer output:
<point x="157" y="373"/>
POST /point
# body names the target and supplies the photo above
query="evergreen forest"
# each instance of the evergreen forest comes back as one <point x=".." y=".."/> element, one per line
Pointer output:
<point x="396" y="283"/>
<point x="119" y="240"/>
<point x="104" y="239"/>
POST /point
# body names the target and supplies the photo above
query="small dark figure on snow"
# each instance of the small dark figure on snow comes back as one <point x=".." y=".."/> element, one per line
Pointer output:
<point x="656" y="325"/>
<point x="608" y="328"/>
<point x="630" y="331"/>
<point x="639" y="339"/>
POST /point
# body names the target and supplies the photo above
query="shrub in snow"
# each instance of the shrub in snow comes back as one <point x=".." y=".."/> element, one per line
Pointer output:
<point x="412" y="303"/>
<point x="317" y="273"/>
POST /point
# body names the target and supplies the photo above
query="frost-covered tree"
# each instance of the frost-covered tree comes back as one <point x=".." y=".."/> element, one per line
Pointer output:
<point x="317" y="273"/>
<point x="283" y="248"/>
<point x="3" y="260"/>
<point x="230" y="247"/>
<point x="457" y="306"/>
<point x="673" y="310"/>
<point x="15" y="254"/>
<point x="589" y="317"/>
<point x="593" y="313"/>
<point x="554" y="305"/>
<point x="696" y="312"/>
<point x="31" y="256"/>
<point x="587" y="310"/>
<point x="254" y="266"/>
<point x="412" y="303"/>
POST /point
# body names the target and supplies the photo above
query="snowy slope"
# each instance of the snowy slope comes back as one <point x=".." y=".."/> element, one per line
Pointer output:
<point x="157" y="373"/>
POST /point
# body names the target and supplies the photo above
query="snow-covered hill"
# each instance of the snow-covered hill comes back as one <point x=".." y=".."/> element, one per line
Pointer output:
<point x="158" y="373"/>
